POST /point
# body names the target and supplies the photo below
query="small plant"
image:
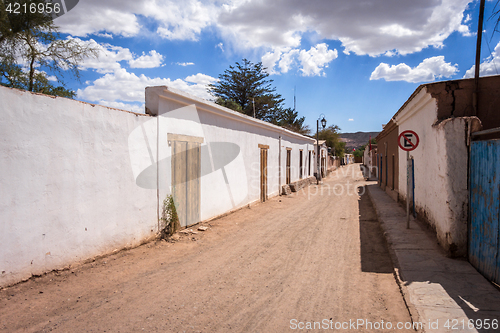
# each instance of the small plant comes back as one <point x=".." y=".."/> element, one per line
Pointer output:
<point x="169" y="217"/>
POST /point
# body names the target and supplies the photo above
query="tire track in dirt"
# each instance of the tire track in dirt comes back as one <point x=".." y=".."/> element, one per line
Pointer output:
<point x="296" y="257"/>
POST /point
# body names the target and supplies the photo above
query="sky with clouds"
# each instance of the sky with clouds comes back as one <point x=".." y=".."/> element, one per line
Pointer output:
<point x="354" y="61"/>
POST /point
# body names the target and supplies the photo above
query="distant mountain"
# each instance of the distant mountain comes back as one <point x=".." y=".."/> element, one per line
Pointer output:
<point x="356" y="140"/>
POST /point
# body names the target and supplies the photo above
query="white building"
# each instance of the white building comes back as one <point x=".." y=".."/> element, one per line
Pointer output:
<point x="81" y="180"/>
<point x="440" y="163"/>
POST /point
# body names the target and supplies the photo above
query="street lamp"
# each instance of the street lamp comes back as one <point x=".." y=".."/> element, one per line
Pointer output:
<point x="318" y="171"/>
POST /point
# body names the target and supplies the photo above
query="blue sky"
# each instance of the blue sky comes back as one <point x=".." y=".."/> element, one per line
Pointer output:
<point x="355" y="61"/>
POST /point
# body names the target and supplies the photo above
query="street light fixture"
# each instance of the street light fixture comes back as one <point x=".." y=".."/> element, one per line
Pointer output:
<point x="318" y="158"/>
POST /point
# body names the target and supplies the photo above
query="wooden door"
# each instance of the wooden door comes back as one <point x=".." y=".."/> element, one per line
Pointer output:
<point x="301" y="166"/>
<point x="288" y="163"/>
<point x="186" y="173"/>
<point x="309" y="164"/>
<point x="263" y="174"/>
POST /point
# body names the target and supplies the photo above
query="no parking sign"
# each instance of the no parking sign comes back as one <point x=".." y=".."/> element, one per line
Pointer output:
<point x="408" y="140"/>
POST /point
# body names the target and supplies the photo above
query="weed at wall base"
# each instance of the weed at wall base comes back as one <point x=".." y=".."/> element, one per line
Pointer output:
<point x="169" y="218"/>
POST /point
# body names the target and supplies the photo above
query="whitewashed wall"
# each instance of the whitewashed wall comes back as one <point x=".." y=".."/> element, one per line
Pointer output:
<point x="80" y="180"/>
<point x="440" y="170"/>
<point x="68" y="192"/>
<point x="183" y="114"/>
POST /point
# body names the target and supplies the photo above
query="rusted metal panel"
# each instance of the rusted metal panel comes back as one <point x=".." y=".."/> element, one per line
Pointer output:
<point x="484" y="244"/>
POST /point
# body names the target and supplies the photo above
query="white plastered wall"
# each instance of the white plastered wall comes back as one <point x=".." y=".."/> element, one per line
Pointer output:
<point x="80" y="180"/>
<point x="232" y="176"/>
<point x="67" y="183"/>
<point x="440" y="170"/>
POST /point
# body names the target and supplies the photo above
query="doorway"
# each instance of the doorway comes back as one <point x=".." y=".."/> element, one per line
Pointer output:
<point x="301" y="166"/>
<point x="288" y="164"/>
<point x="186" y="173"/>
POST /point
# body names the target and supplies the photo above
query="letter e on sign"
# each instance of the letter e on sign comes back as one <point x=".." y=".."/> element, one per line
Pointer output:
<point x="408" y="140"/>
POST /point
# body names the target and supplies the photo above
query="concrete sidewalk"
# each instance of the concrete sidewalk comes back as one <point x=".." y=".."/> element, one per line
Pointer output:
<point x="442" y="293"/>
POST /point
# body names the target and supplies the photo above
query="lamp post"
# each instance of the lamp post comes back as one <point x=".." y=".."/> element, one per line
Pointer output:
<point x="318" y="157"/>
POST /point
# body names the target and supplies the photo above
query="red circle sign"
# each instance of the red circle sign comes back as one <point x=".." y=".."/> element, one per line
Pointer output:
<point x="408" y="140"/>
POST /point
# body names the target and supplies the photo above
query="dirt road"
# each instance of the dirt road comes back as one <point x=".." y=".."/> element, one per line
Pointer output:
<point x="275" y="267"/>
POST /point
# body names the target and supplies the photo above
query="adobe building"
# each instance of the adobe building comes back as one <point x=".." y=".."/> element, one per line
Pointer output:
<point x="81" y="180"/>
<point x="388" y="159"/>
<point x="443" y="116"/>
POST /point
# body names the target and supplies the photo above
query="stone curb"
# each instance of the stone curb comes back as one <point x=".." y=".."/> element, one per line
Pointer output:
<point x="398" y="274"/>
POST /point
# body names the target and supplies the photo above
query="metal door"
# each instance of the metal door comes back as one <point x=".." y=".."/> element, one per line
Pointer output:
<point x="484" y="232"/>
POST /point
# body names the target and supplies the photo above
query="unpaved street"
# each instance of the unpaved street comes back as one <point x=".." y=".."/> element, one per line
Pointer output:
<point x="305" y="258"/>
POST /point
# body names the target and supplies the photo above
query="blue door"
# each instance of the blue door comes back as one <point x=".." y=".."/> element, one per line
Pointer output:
<point x="484" y="233"/>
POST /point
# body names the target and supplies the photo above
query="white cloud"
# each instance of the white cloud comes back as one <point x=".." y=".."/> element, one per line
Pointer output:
<point x="153" y="60"/>
<point x="220" y="46"/>
<point x="287" y="60"/>
<point x="372" y="28"/>
<point x="184" y="64"/>
<point x="269" y="61"/>
<point x="310" y="63"/>
<point x="93" y="16"/>
<point x="124" y="90"/>
<point x="104" y="35"/>
<point x="109" y="57"/>
<point x="200" y="79"/>
<point x="317" y="58"/>
<point x="491" y="66"/>
<point x="350" y="119"/>
<point x="176" y="20"/>
<point x="137" y="108"/>
<point x="363" y="27"/>
<point x="429" y="70"/>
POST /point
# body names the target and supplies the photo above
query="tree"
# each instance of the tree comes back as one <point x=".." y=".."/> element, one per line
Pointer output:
<point x="30" y="45"/>
<point x="360" y="151"/>
<point x="332" y="137"/>
<point x="246" y="86"/>
<point x="229" y="103"/>
<point x="13" y="21"/>
<point x="289" y="119"/>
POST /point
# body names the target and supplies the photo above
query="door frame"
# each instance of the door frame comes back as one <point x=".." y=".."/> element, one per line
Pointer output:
<point x="186" y="174"/>
<point x="264" y="153"/>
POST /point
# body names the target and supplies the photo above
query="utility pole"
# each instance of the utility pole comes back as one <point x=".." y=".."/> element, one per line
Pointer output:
<point x="478" y="57"/>
<point x="294" y="101"/>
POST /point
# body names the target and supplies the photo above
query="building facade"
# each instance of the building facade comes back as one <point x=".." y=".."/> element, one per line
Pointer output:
<point x="388" y="159"/>
<point x="444" y="116"/>
<point x="82" y="180"/>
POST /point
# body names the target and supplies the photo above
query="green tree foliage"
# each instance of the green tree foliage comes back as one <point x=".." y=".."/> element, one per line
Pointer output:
<point x="229" y="103"/>
<point x="11" y="23"/>
<point x="332" y="137"/>
<point x="30" y="45"/>
<point x="360" y="151"/>
<point x="13" y="76"/>
<point x="290" y="119"/>
<point x="245" y="85"/>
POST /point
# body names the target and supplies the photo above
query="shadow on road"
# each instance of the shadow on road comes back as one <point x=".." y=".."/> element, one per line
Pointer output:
<point x="375" y="256"/>
<point x="440" y="286"/>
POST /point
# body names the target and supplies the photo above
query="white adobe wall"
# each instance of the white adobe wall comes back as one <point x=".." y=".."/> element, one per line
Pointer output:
<point x="187" y="115"/>
<point x="366" y="158"/>
<point x="68" y="189"/>
<point x="440" y="170"/>
<point x="80" y="180"/>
